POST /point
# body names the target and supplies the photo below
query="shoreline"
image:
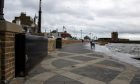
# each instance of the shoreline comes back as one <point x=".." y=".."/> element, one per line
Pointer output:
<point x="123" y="57"/>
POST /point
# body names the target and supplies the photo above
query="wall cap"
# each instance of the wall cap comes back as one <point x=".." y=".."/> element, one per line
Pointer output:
<point x="6" y="26"/>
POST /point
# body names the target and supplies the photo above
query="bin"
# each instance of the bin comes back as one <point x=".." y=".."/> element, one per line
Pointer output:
<point x="59" y="43"/>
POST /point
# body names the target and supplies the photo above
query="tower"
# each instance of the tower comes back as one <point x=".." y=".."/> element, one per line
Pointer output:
<point x="114" y="36"/>
<point x="39" y="18"/>
<point x="35" y="17"/>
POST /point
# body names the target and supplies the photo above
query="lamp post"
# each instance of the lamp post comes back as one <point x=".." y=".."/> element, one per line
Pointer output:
<point x="90" y="36"/>
<point x="39" y="18"/>
<point x="1" y="9"/>
<point x="81" y="34"/>
<point x="95" y="38"/>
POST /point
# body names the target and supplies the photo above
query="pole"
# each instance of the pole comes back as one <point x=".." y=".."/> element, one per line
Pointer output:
<point x="39" y="18"/>
<point x="1" y="9"/>
<point x="90" y="36"/>
<point x="81" y="34"/>
<point x="95" y="37"/>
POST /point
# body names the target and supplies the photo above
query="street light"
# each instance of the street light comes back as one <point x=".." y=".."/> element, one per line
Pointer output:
<point x="39" y="19"/>
<point x="91" y="35"/>
<point x="81" y="33"/>
<point x="1" y="9"/>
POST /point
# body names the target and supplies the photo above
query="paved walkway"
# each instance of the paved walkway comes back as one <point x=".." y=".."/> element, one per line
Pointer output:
<point x="75" y="65"/>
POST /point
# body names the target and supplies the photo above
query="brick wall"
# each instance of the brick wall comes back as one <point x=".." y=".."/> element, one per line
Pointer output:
<point x="7" y="56"/>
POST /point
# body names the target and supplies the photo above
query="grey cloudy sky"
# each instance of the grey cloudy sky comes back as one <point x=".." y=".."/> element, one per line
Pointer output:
<point x="99" y="17"/>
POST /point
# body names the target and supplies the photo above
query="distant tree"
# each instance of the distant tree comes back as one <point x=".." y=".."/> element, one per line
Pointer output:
<point x="87" y="38"/>
<point x="54" y="31"/>
<point x="74" y="38"/>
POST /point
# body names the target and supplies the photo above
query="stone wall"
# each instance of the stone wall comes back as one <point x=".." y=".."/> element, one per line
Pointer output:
<point x="64" y="42"/>
<point x="7" y="51"/>
<point x="51" y="45"/>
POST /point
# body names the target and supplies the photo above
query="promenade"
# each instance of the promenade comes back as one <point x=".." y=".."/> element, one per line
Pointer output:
<point x="73" y="64"/>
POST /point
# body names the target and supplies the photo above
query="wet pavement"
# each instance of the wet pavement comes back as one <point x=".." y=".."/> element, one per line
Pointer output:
<point x="74" y="64"/>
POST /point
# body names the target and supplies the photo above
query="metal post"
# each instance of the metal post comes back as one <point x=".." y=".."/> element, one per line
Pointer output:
<point x="138" y="52"/>
<point x="1" y="9"/>
<point x="39" y="19"/>
<point x="81" y="34"/>
<point x="90" y="36"/>
<point x="95" y="37"/>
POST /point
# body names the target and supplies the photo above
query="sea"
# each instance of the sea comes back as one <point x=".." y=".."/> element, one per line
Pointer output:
<point x="120" y="51"/>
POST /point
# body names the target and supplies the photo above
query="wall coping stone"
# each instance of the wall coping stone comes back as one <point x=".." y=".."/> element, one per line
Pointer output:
<point x="6" y="26"/>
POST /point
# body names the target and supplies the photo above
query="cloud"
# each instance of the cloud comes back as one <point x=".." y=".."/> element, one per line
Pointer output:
<point x="100" y="17"/>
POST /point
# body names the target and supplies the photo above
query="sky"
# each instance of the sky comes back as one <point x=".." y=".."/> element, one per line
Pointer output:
<point x="94" y="17"/>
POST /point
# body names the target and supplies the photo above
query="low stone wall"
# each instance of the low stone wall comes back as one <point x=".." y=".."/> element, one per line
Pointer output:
<point x="64" y="42"/>
<point x="51" y="45"/>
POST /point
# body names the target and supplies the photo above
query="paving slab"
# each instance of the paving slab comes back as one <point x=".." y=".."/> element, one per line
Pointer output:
<point x="98" y="73"/>
<point x="58" y="79"/>
<point x="95" y="55"/>
<point x="112" y="63"/>
<point x="60" y="63"/>
<point x="37" y="70"/>
<point x="136" y="79"/>
<point x="63" y="54"/>
<point x="83" y="58"/>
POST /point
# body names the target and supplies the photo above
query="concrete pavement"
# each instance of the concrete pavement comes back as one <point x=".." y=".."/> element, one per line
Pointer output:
<point x="76" y="65"/>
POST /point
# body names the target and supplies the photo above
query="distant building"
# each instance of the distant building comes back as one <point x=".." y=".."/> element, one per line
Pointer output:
<point x="114" y="36"/>
<point x="114" y="39"/>
<point x="66" y="35"/>
<point x="56" y="34"/>
<point x="104" y="39"/>
<point x="28" y="24"/>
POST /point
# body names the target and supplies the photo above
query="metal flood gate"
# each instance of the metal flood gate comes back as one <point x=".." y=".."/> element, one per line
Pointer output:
<point x="29" y="51"/>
